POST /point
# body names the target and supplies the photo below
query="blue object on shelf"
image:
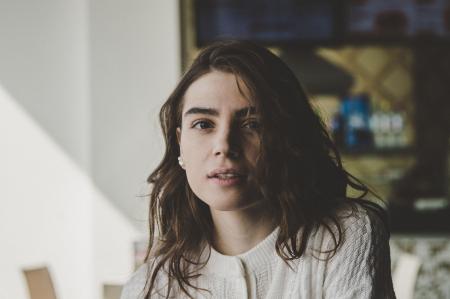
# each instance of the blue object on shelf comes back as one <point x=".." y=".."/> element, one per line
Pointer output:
<point x="355" y="111"/>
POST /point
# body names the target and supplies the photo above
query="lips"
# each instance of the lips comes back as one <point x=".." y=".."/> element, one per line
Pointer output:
<point x="225" y="173"/>
<point x="227" y="177"/>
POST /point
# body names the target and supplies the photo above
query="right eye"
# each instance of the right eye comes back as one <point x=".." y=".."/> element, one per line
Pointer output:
<point x="202" y="125"/>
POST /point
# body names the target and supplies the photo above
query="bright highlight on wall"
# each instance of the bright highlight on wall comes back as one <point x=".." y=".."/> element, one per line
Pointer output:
<point x="52" y="215"/>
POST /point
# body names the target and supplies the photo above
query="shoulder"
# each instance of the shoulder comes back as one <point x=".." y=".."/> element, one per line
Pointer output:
<point x="138" y="285"/>
<point x="362" y="218"/>
<point x="354" y="219"/>
<point x="361" y="261"/>
<point x="354" y="227"/>
<point x="366" y="223"/>
<point x="134" y="288"/>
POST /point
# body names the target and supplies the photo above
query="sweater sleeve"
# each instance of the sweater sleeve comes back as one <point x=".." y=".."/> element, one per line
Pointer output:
<point x="137" y="286"/>
<point x="361" y="267"/>
<point x="134" y="288"/>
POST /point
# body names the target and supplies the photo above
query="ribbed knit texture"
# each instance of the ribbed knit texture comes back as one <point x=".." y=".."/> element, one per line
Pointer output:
<point x="261" y="273"/>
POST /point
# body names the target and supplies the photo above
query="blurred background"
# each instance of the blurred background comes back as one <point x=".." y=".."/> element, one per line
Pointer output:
<point x="81" y="84"/>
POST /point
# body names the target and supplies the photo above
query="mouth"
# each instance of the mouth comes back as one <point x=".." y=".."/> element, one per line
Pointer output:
<point x="226" y="180"/>
<point x="227" y="177"/>
<point x="224" y="176"/>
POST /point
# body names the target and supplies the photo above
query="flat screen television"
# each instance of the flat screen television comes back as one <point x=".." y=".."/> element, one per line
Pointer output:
<point x="323" y="22"/>
<point x="402" y="20"/>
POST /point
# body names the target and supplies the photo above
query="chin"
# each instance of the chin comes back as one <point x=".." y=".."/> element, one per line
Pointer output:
<point x="226" y="204"/>
<point x="225" y="207"/>
<point x="223" y="200"/>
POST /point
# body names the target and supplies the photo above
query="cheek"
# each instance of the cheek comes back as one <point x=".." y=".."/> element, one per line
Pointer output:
<point x="194" y="158"/>
<point x="192" y="149"/>
<point x="194" y="179"/>
<point x="187" y="146"/>
<point x="197" y="180"/>
<point x="252" y="151"/>
<point x="195" y="176"/>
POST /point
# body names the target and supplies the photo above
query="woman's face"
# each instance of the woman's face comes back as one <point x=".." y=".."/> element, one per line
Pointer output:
<point x="219" y="141"/>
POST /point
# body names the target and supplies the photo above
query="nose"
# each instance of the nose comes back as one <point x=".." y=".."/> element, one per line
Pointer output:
<point x="226" y="143"/>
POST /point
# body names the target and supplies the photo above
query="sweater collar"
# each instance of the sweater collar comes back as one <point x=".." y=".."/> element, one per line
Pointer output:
<point x="254" y="260"/>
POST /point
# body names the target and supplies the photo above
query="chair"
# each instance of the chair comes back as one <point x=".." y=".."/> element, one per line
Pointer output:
<point x="405" y="275"/>
<point x="111" y="291"/>
<point x="40" y="285"/>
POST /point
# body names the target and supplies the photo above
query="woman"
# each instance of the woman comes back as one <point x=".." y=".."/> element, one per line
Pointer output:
<point x="249" y="200"/>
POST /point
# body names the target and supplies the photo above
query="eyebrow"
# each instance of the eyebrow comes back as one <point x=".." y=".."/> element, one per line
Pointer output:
<point x="211" y="111"/>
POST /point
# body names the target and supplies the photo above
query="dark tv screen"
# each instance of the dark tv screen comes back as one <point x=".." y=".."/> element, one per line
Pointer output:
<point x="403" y="19"/>
<point x="265" y="21"/>
<point x="322" y="22"/>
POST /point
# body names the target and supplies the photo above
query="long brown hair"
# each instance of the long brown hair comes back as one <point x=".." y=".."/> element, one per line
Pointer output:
<point x="299" y="171"/>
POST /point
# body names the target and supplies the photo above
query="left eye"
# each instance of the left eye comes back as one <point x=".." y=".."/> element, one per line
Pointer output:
<point x="251" y="125"/>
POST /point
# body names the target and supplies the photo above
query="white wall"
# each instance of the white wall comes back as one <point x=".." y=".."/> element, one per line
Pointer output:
<point x="47" y="216"/>
<point x="43" y="64"/>
<point x="81" y="82"/>
<point x="135" y="63"/>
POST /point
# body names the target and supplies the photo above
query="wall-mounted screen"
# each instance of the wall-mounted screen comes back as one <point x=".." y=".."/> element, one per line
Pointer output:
<point x="266" y="21"/>
<point x="323" y="22"/>
<point x="404" y="19"/>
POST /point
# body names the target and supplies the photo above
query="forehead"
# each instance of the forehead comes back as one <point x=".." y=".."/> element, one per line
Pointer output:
<point x="219" y="90"/>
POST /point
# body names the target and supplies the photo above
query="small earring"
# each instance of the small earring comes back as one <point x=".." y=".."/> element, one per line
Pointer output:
<point x="180" y="161"/>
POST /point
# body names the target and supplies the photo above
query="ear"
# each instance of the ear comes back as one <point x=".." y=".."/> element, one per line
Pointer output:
<point x="179" y="139"/>
<point x="178" y="135"/>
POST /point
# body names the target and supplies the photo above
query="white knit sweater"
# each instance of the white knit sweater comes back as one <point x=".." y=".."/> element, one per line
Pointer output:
<point x="261" y="273"/>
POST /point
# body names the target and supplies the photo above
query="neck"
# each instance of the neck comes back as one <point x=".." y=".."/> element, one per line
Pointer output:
<point x="236" y="232"/>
